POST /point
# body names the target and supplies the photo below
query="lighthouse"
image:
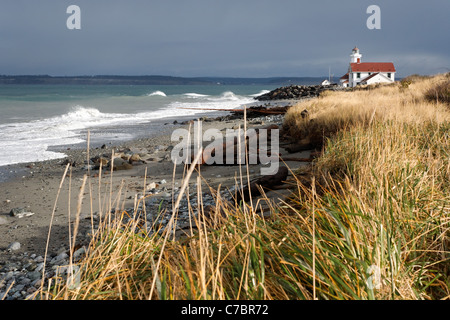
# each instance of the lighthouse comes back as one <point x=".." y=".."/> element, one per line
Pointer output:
<point x="367" y="72"/>
<point x="355" y="57"/>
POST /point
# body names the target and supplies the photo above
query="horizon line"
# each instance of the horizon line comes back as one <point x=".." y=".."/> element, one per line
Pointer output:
<point x="154" y="75"/>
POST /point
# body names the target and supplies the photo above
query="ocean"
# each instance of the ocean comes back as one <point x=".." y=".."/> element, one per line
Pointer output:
<point x="35" y="120"/>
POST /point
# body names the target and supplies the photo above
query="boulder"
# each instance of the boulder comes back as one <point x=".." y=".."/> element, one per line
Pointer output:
<point x="134" y="158"/>
<point x="295" y="92"/>
<point x="100" y="160"/>
<point x="121" y="164"/>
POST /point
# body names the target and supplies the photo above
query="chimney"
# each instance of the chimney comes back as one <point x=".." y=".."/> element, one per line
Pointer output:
<point x="358" y="61"/>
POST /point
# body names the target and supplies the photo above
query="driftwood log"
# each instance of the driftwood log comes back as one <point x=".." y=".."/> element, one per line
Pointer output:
<point x="233" y="145"/>
<point x="302" y="145"/>
<point x="260" y="110"/>
<point x="297" y="159"/>
<point x="264" y="182"/>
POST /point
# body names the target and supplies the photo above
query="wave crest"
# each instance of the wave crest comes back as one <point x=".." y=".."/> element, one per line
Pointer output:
<point x="260" y="93"/>
<point x="156" y="93"/>
<point x="82" y="113"/>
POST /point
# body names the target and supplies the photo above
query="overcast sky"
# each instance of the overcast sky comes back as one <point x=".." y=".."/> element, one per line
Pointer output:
<point x="235" y="38"/>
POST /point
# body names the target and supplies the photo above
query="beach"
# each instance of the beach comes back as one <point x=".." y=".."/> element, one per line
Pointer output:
<point x="35" y="187"/>
<point x="53" y="191"/>
<point x="55" y="196"/>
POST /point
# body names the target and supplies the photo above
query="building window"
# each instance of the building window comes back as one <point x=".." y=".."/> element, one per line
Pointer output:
<point x="358" y="75"/>
<point x="389" y="75"/>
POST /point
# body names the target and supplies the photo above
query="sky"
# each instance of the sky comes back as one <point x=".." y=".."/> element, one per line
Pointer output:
<point x="229" y="38"/>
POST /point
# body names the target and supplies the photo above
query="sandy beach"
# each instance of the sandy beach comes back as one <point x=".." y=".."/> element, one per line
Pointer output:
<point x="36" y="187"/>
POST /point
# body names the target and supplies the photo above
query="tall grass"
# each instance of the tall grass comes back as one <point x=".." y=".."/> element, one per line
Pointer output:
<point x="368" y="220"/>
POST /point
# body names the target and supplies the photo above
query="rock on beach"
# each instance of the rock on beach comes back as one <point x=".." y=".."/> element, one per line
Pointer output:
<point x="296" y="92"/>
<point x="14" y="246"/>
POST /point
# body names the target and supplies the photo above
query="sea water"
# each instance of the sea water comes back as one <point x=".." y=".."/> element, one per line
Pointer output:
<point x="34" y="119"/>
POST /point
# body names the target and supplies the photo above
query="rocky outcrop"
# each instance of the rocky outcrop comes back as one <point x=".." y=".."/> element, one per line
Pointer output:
<point x="296" y="92"/>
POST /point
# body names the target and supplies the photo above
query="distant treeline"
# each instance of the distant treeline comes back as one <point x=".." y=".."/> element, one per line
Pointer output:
<point x="154" y="80"/>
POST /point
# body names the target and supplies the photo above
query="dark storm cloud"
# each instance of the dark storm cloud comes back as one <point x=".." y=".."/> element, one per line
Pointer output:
<point x="221" y="37"/>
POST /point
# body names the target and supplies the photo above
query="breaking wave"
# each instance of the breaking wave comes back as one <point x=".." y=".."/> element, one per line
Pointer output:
<point x="157" y="93"/>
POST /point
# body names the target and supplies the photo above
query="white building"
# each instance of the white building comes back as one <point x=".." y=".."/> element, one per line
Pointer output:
<point x="367" y="72"/>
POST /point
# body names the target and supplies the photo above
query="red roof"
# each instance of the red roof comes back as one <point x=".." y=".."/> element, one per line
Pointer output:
<point x="344" y="76"/>
<point x="370" y="77"/>
<point x="372" y="67"/>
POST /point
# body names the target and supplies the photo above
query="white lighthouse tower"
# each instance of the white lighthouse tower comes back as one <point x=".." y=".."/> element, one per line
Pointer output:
<point x="355" y="57"/>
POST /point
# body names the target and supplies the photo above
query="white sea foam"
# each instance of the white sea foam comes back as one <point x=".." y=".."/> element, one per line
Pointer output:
<point x="227" y="96"/>
<point x="260" y="93"/>
<point x="29" y="141"/>
<point x="195" y="95"/>
<point x="226" y="101"/>
<point x="157" y="93"/>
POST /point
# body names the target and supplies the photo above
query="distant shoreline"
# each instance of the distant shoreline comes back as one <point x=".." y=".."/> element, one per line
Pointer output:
<point x="152" y="80"/>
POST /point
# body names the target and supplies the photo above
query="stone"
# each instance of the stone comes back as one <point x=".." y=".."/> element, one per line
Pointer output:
<point x="100" y="160"/>
<point x="134" y="157"/>
<point x="121" y="164"/>
<point x="152" y="186"/>
<point x="296" y="92"/>
<point x="19" y="287"/>
<point x="59" y="258"/>
<point x="79" y="253"/>
<point x="20" y="213"/>
<point x="166" y="195"/>
<point x="160" y="148"/>
<point x="14" y="246"/>
<point x="140" y="151"/>
<point x="3" y="221"/>
<point x="34" y="275"/>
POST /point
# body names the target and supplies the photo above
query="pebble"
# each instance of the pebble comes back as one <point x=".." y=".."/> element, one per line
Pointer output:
<point x="166" y="195"/>
<point x="22" y="273"/>
<point x="58" y="258"/>
<point x="20" y="213"/>
<point x="14" y="246"/>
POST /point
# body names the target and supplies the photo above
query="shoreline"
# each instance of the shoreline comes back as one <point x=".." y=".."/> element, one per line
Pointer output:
<point x="122" y="134"/>
<point x="35" y="185"/>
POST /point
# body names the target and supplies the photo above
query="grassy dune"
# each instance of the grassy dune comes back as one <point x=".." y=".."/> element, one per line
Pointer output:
<point x="369" y="219"/>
